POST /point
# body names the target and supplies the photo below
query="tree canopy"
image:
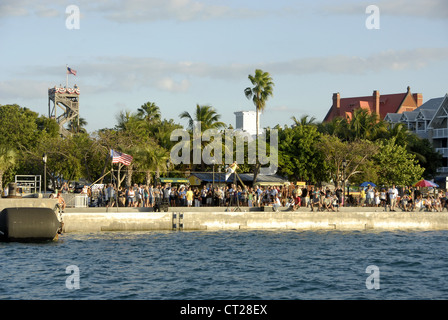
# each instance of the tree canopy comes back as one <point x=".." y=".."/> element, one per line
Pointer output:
<point x="372" y="149"/>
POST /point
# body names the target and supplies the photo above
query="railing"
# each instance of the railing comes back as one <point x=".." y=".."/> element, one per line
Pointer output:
<point x="440" y="133"/>
<point x="75" y="200"/>
<point x="443" y="151"/>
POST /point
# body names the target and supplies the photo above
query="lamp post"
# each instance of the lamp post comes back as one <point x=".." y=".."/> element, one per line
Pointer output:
<point x="213" y="175"/>
<point x="167" y="169"/>
<point x="44" y="159"/>
<point x="344" y="165"/>
<point x="219" y="175"/>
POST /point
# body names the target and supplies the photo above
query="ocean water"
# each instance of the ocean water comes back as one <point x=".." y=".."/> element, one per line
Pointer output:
<point x="228" y="265"/>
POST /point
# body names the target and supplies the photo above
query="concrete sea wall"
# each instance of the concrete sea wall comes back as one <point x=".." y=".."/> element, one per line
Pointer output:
<point x="27" y="202"/>
<point x="221" y="218"/>
<point x="131" y="219"/>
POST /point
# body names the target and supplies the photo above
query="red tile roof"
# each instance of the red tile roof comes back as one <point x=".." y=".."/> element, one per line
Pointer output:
<point x="389" y="103"/>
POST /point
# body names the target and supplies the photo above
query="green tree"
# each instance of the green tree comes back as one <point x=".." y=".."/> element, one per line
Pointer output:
<point x="364" y="125"/>
<point x="396" y="165"/>
<point x="262" y="90"/>
<point x="422" y="149"/>
<point x="149" y="112"/>
<point x="335" y="127"/>
<point x="77" y="125"/>
<point x="299" y="157"/>
<point x="425" y="154"/>
<point x="18" y="126"/>
<point x="357" y="155"/>
<point x="7" y="161"/>
<point x="152" y="158"/>
<point x="47" y="126"/>
<point x="303" y="121"/>
<point x="208" y="118"/>
<point x="63" y="159"/>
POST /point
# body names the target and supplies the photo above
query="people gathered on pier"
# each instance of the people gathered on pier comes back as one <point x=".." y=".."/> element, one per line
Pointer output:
<point x="292" y="197"/>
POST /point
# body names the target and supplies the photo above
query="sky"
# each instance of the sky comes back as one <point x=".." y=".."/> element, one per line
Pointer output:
<point x="180" y="53"/>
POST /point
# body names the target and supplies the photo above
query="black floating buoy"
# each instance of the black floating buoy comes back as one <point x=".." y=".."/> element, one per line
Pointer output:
<point x="28" y="224"/>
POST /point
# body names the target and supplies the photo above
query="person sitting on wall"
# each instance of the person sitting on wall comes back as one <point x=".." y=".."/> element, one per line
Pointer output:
<point x="276" y="204"/>
<point x="61" y="202"/>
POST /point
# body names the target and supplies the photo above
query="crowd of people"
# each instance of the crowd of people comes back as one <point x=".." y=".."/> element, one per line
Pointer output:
<point x="291" y="196"/>
<point x="409" y="199"/>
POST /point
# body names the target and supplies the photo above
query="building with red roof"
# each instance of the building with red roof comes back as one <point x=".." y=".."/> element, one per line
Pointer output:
<point x="376" y="103"/>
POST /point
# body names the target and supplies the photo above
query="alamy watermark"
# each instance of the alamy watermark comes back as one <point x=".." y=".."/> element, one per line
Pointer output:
<point x="373" y="20"/>
<point x="72" y="281"/>
<point x="73" y="20"/>
<point x="373" y="280"/>
<point x="191" y="151"/>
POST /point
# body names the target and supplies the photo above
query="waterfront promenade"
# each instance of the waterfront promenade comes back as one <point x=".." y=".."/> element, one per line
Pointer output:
<point x="98" y="219"/>
<point x="221" y="218"/>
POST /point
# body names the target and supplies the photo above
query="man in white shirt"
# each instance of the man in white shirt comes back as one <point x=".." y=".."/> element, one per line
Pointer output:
<point x="393" y="194"/>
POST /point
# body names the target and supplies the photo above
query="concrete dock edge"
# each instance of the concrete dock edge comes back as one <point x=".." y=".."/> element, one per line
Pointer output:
<point x="208" y="219"/>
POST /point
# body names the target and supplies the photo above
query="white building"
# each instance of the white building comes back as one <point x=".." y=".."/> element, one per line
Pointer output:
<point x="429" y="121"/>
<point x="247" y="121"/>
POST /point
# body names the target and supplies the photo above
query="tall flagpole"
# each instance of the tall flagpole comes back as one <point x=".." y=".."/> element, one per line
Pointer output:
<point x="66" y="74"/>
<point x="111" y="169"/>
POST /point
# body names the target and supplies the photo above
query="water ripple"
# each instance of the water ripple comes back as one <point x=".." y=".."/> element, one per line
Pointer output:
<point x="225" y="265"/>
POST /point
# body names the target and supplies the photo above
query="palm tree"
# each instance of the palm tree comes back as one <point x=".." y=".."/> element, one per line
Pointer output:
<point x="162" y="133"/>
<point x="130" y="122"/>
<point x="206" y="116"/>
<point x="336" y="127"/>
<point x="149" y="112"/>
<point x="208" y="119"/>
<point x="364" y="125"/>
<point x="303" y="121"/>
<point x="7" y="160"/>
<point x="260" y="93"/>
<point x="77" y="125"/>
<point x="400" y="132"/>
<point x="152" y="158"/>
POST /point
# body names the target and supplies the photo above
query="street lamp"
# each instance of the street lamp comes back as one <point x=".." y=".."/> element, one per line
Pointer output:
<point x="213" y="174"/>
<point x="44" y="159"/>
<point x="167" y="170"/>
<point x="344" y="165"/>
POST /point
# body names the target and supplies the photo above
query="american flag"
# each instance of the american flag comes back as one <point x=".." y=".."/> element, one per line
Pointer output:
<point x="119" y="157"/>
<point x="71" y="71"/>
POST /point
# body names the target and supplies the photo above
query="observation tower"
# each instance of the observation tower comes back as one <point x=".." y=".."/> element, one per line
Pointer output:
<point x="67" y="100"/>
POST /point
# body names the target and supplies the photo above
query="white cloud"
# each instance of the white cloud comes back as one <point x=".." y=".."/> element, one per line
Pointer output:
<point x="125" y="74"/>
<point x="16" y="89"/>
<point x="130" y="11"/>
<point x="168" y="84"/>
<point x="413" y="8"/>
<point x="342" y="64"/>
<point x="42" y="8"/>
<point x="179" y="10"/>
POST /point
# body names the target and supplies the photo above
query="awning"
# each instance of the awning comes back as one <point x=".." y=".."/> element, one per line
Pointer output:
<point x="174" y="180"/>
<point x="245" y="177"/>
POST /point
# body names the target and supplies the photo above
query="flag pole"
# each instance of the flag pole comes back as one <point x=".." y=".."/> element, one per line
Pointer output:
<point x="66" y="75"/>
<point x="111" y="169"/>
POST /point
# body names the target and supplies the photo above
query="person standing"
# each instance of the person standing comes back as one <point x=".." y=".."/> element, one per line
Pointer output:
<point x="383" y="198"/>
<point x="362" y="197"/>
<point x="338" y="193"/>
<point x="393" y="194"/>
<point x="189" y="196"/>
<point x="315" y="199"/>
